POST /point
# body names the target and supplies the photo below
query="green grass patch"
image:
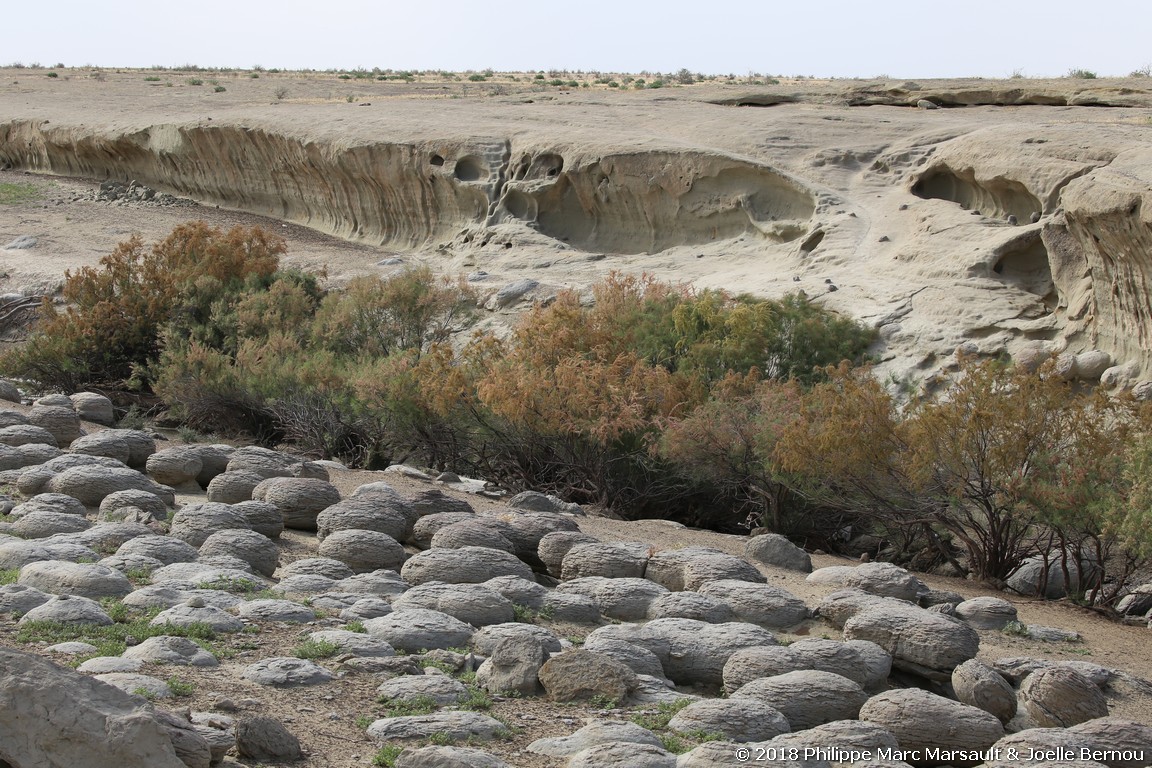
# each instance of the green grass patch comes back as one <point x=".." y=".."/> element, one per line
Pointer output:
<point x="419" y="705"/>
<point x="356" y="626"/>
<point x="9" y="575"/>
<point x="658" y="720"/>
<point x="180" y="687"/>
<point x="12" y="194"/>
<point x="476" y="700"/>
<point x="109" y="640"/>
<point x="387" y="755"/>
<point x="316" y="649"/>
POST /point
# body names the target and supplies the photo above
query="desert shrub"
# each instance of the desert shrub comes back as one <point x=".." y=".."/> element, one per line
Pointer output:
<point x="114" y="314"/>
<point x="1082" y="74"/>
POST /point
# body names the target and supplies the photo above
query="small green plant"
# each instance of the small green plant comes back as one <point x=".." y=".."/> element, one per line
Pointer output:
<point x="1081" y="74"/>
<point x="345" y="77"/>
<point x="133" y="418"/>
<point x="673" y="743"/>
<point x="356" y="626"/>
<point x="189" y="435"/>
<point x="195" y="81"/>
<point x="477" y="78"/>
<point x="281" y="92"/>
<point x="180" y="687"/>
<point x="417" y="705"/>
<point x="152" y="79"/>
<point x="444" y="667"/>
<point x="658" y="720"/>
<point x="363" y="721"/>
<point x="219" y="89"/>
<point x="254" y="75"/>
<point x="316" y="649"/>
<point x="442" y="739"/>
<point x="51" y="74"/>
<point x="1015" y="629"/>
<point x="600" y="701"/>
<point x="9" y="576"/>
<point x="387" y="755"/>
<point x="115" y="609"/>
<point x="147" y="693"/>
<point x="476" y="700"/>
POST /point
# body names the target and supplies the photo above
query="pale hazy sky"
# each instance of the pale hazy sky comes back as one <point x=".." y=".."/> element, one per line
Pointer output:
<point x="898" y="38"/>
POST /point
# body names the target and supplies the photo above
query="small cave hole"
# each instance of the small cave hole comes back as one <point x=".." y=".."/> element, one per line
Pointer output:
<point x="507" y="246"/>
<point x="518" y="204"/>
<point x="436" y="160"/>
<point x="812" y="242"/>
<point x="1026" y="267"/>
<point x="469" y="168"/>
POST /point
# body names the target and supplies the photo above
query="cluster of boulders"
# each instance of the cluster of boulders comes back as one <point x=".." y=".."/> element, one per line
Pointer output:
<point x="421" y="590"/>
<point x="134" y="193"/>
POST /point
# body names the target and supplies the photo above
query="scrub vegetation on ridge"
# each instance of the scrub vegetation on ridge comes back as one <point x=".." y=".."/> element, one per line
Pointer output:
<point x="646" y="398"/>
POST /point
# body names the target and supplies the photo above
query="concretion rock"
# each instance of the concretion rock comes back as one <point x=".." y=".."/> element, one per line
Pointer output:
<point x="1115" y="734"/>
<point x="596" y="732"/>
<point x="163" y="548"/>
<point x="807" y="698"/>
<point x="986" y="612"/>
<point x="761" y="604"/>
<point x="920" y="641"/>
<point x="472" y="533"/>
<point x="233" y="487"/>
<point x="437" y="686"/>
<point x="448" y="757"/>
<point x="1038" y="740"/>
<point x="473" y="604"/>
<point x="1057" y="697"/>
<point x="621" y="599"/>
<point x="381" y="582"/>
<point x="467" y="565"/>
<point x="639" y="659"/>
<point x="458" y="726"/>
<point x="775" y="550"/>
<point x="300" y="499"/>
<point x="920" y="720"/>
<point x="285" y="672"/>
<point x="580" y="675"/>
<point x="262" y="461"/>
<point x="688" y="568"/>
<point x="9" y="392"/>
<point x="253" y="548"/>
<point x="13" y="459"/>
<point x="862" y="662"/>
<point x="42" y="524"/>
<point x="885" y="580"/>
<point x="316" y="566"/>
<point x="148" y="503"/>
<point x="425" y="528"/>
<point x="213" y="461"/>
<point x="275" y="610"/>
<point x="56" y="718"/>
<point x="738" y="720"/>
<point x="18" y="598"/>
<point x="174" y="466"/>
<point x="978" y="685"/>
<point x="18" y="553"/>
<point x="539" y="502"/>
<point x="525" y="529"/>
<point x="691" y="605"/>
<point x="355" y="643"/>
<point x="27" y="434"/>
<point x="90" y="484"/>
<point x="367" y="513"/>
<point x="194" y="523"/>
<point x="554" y="546"/>
<point x="68" y="609"/>
<point x="78" y="579"/>
<point x="62" y="422"/>
<point x="262" y="517"/>
<point x="267" y="740"/>
<point x="93" y="407"/>
<point x="486" y="639"/>
<point x="106" y="443"/>
<point x="513" y="665"/>
<point x="611" y="561"/>
<point x="189" y="615"/>
<point x="165" y="649"/>
<point x="419" y="629"/>
<point x="1026" y="580"/>
<point x="364" y="551"/>
<point x="617" y="755"/>
<point x="847" y="734"/>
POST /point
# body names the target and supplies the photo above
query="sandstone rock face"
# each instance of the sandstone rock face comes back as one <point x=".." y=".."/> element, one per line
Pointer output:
<point x="919" y="719"/>
<point x="54" y="717"/>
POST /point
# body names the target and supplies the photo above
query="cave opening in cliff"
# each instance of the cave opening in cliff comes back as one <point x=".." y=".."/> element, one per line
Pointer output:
<point x="1025" y="265"/>
<point x="469" y="168"/>
<point x="996" y="198"/>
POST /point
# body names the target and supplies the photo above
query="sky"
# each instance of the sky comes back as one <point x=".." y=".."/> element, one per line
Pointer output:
<point x="825" y="38"/>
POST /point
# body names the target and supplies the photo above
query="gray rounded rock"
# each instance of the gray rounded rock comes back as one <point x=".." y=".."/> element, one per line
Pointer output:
<point x="174" y="466"/>
<point x="623" y="756"/>
<point x="440" y="688"/>
<point x="317" y="566"/>
<point x="187" y="615"/>
<point x="163" y="548"/>
<point x="382" y="582"/>
<point x="27" y="434"/>
<point x="107" y="443"/>
<point x="366" y="608"/>
<point x="20" y="598"/>
<point x="921" y="720"/>
<point x="165" y="649"/>
<point x="448" y="757"/>
<point x="68" y="609"/>
<point x="213" y="461"/>
<point x="775" y="550"/>
<point x="262" y="517"/>
<point x="426" y="527"/>
<point x="49" y="502"/>
<point x="276" y="610"/>
<point x="286" y="672"/>
<point x="233" y="487"/>
<point x="467" y="565"/>
<point x="17" y="554"/>
<point x="299" y="499"/>
<point x="637" y="658"/>
<point x="807" y="698"/>
<point x="94" y="407"/>
<point x="91" y="484"/>
<point x="690" y="567"/>
<point x="471" y="603"/>
<point x="738" y="720"/>
<point x="554" y="546"/>
<point x="472" y="533"/>
<point x="1058" y="697"/>
<point x="885" y="580"/>
<point x="596" y="732"/>
<point x="419" y="629"/>
<point x="485" y="640"/>
<point x="367" y="513"/>
<point x="194" y="523"/>
<point x="150" y="504"/>
<point x="761" y="604"/>
<point x="920" y="641"/>
<point x="355" y="643"/>
<point x="253" y="548"/>
<point x="986" y="612"/>
<point x="691" y="605"/>
<point x="862" y="662"/>
<point x="621" y="599"/>
<point x="79" y="579"/>
<point x="61" y="421"/>
<point x="262" y="461"/>
<point x="1121" y="735"/>
<point x="364" y="551"/>
<point x="519" y="591"/>
<point x="458" y="726"/>
<point x="611" y="561"/>
<point x="978" y="685"/>
<point x="42" y="524"/>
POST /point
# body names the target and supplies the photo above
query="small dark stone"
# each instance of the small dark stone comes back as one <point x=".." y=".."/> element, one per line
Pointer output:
<point x="796" y="278"/>
<point x="1035" y="217"/>
<point x="832" y="288"/>
<point x="265" y="739"/>
<point x="1012" y="220"/>
<point x="883" y="239"/>
<point x="828" y="281"/>
<point x="904" y="206"/>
